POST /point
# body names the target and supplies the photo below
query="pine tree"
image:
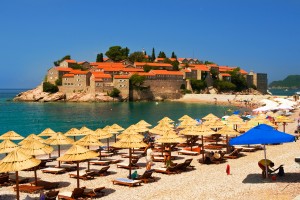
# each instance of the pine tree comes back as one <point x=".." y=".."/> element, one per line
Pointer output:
<point x="173" y="55"/>
<point x="99" y="57"/>
<point x="153" y="55"/>
<point x="161" y="55"/>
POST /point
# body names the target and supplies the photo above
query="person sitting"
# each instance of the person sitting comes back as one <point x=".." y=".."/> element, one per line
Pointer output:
<point x="267" y="164"/>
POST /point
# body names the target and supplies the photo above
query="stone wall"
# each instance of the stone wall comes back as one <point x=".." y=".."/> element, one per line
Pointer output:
<point x="158" y="90"/>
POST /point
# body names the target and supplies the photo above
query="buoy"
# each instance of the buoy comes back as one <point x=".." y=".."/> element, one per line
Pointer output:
<point x="228" y="169"/>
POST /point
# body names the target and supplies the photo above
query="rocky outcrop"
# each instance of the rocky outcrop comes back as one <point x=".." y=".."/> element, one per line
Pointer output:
<point x="38" y="95"/>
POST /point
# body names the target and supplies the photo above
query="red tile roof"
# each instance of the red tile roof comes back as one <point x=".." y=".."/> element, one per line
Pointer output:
<point x="144" y="74"/>
<point x="225" y="74"/>
<point x="79" y="72"/>
<point x="70" y="61"/>
<point x="153" y="64"/>
<point x="101" y="75"/>
<point x="68" y="75"/>
<point x="165" y="72"/>
<point x="121" y="76"/>
<point x="63" y="69"/>
<point x="199" y="67"/>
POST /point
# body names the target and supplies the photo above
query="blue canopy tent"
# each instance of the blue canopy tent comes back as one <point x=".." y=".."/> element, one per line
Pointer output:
<point x="262" y="134"/>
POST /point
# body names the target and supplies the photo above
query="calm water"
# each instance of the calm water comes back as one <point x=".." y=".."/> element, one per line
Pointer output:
<point x="281" y="92"/>
<point x="26" y="118"/>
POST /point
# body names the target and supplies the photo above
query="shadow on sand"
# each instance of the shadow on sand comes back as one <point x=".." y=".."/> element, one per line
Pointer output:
<point x="287" y="178"/>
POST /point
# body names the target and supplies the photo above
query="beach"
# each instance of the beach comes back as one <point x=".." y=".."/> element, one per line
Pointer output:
<point x="205" y="182"/>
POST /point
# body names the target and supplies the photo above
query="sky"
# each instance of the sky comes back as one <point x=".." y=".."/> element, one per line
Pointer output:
<point x="258" y="35"/>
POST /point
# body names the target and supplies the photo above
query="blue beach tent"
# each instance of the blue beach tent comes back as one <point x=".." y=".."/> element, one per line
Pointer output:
<point x="262" y="134"/>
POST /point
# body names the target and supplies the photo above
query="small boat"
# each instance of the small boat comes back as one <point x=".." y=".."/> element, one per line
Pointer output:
<point x="298" y="92"/>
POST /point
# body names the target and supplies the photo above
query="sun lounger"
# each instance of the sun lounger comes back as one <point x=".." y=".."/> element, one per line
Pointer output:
<point x="114" y="161"/>
<point x="100" y="162"/>
<point x="167" y="170"/>
<point x="146" y="176"/>
<point x="106" y="154"/>
<point x="185" y="165"/>
<point x="51" y="195"/>
<point x="186" y="152"/>
<point x="234" y="154"/>
<point x="45" y="184"/>
<point x="12" y="179"/>
<point x="68" y="168"/>
<point x="75" y="194"/>
<point x="158" y="159"/>
<point x="249" y="149"/>
<point x="92" y="193"/>
<point x="102" y="172"/>
<point x="54" y="170"/>
<point x="126" y="181"/>
<point x="136" y="156"/>
<point x="4" y="180"/>
<point x="29" y="188"/>
<point x="83" y="175"/>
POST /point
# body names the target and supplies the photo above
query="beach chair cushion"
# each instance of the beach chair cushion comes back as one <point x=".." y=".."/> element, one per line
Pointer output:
<point x="126" y="181"/>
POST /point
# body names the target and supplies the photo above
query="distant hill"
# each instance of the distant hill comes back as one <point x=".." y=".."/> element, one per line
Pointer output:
<point x="291" y="81"/>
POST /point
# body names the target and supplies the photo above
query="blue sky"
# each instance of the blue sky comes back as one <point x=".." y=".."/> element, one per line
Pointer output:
<point x="259" y="35"/>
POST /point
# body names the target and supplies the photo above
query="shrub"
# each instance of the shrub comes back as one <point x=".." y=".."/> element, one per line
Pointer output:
<point x="49" y="87"/>
<point x="114" y="93"/>
<point x="58" y="82"/>
<point x="224" y="86"/>
<point x="198" y="85"/>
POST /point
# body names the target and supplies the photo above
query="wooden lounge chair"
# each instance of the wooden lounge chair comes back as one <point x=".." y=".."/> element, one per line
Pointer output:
<point x="100" y="162"/>
<point x="12" y="179"/>
<point x="186" y="165"/>
<point x="146" y="176"/>
<point x="168" y="170"/>
<point x="46" y="184"/>
<point x="92" y="193"/>
<point x="187" y="152"/>
<point x="102" y="172"/>
<point x="75" y="194"/>
<point x="4" y="180"/>
<point x="29" y="188"/>
<point x="135" y="156"/>
<point x="234" y="154"/>
<point x="127" y="165"/>
<point x="51" y="195"/>
<point x="54" y="170"/>
<point x="83" y="175"/>
<point x="126" y="181"/>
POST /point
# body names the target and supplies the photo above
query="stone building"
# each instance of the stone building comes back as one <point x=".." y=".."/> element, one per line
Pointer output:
<point x="101" y="82"/>
<point x="260" y="80"/>
<point x="121" y="82"/>
<point x="55" y="73"/>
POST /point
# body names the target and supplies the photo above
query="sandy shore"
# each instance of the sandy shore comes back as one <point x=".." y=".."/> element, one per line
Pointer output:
<point x="205" y="182"/>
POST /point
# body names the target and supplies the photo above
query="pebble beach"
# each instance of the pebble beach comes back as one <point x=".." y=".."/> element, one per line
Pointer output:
<point x="204" y="182"/>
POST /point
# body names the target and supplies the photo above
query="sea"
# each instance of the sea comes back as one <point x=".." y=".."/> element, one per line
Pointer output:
<point x="34" y="117"/>
<point x="283" y="92"/>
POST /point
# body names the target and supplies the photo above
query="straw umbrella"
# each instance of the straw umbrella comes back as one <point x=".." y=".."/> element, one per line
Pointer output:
<point x="7" y="146"/>
<point x="117" y="128"/>
<point x="245" y="127"/>
<point x="48" y="132"/>
<point x="143" y="123"/>
<point x="30" y="137"/>
<point x="110" y="130"/>
<point x="59" y="139"/>
<point x="161" y="128"/>
<point x="77" y="153"/>
<point x="34" y="148"/>
<point x="11" y="135"/>
<point x="102" y="134"/>
<point x="210" y="117"/>
<point x="74" y="132"/>
<point x="184" y="117"/>
<point x="187" y="123"/>
<point x="17" y="161"/>
<point x="166" y="119"/>
<point x="87" y="141"/>
<point x="130" y="141"/>
<point x="235" y="120"/>
<point x="169" y="137"/>
<point x="85" y="131"/>
<point x="284" y="120"/>
<point x="190" y="131"/>
<point x="228" y="130"/>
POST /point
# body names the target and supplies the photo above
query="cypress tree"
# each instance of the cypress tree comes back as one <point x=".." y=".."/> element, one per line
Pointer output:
<point x="153" y="55"/>
<point x="99" y="57"/>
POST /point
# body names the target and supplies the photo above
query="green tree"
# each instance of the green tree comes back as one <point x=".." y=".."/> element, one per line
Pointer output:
<point x="153" y="55"/>
<point x="117" y="53"/>
<point x="161" y="55"/>
<point x="175" y="65"/>
<point x="224" y="86"/>
<point x="58" y="81"/>
<point x="99" y="57"/>
<point x="198" y="85"/>
<point x="214" y="74"/>
<point x="173" y="55"/>
<point x="67" y="57"/>
<point x="114" y="93"/>
<point x="208" y="62"/>
<point x="238" y="79"/>
<point x="136" y="81"/>
<point x="137" y="56"/>
<point x="147" y="68"/>
<point x="49" y="87"/>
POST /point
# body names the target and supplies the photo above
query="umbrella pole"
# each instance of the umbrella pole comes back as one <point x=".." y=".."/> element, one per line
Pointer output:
<point x="17" y="185"/>
<point x="58" y="155"/>
<point x="74" y="138"/>
<point x="100" y="153"/>
<point x="202" y="140"/>
<point x="77" y="174"/>
<point x="107" y="145"/>
<point x="129" y="163"/>
<point x="227" y="146"/>
<point x="284" y="126"/>
<point x="265" y="154"/>
<point x="115" y="138"/>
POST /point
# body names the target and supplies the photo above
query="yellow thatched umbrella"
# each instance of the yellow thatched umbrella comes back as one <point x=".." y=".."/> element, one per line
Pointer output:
<point x="284" y="120"/>
<point x="48" y="132"/>
<point x="130" y="141"/>
<point x="166" y="119"/>
<point x="169" y="137"/>
<point x="75" y="154"/>
<point x="143" y="123"/>
<point x="17" y="161"/>
<point x="74" y="132"/>
<point x="187" y="122"/>
<point x="110" y="130"/>
<point x="34" y="148"/>
<point x="102" y="134"/>
<point x="228" y="130"/>
<point x="214" y="124"/>
<point x="245" y="127"/>
<point x="200" y="130"/>
<point x="185" y="117"/>
<point x="235" y="120"/>
<point x="161" y="128"/>
<point x="191" y="131"/>
<point x="210" y="116"/>
<point x="117" y="128"/>
<point x="85" y="131"/>
<point x="32" y="136"/>
<point x="11" y="135"/>
<point x="59" y="139"/>
<point x="7" y="146"/>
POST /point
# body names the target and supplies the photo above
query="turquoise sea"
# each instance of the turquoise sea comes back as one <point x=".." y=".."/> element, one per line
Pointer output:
<point x="32" y="117"/>
<point x="283" y="92"/>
